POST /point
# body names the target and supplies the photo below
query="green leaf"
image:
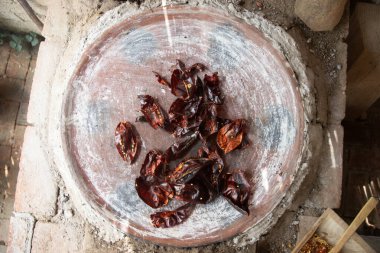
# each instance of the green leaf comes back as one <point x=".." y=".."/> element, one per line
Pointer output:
<point x="18" y="47"/>
<point x="35" y="42"/>
<point x="16" y="38"/>
<point x="12" y="44"/>
<point x="29" y="38"/>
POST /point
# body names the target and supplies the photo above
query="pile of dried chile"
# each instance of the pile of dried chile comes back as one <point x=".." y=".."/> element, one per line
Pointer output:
<point x="193" y="120"/>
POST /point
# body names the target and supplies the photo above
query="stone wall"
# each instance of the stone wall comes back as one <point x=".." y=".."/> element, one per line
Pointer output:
<point x="14" y="18"/>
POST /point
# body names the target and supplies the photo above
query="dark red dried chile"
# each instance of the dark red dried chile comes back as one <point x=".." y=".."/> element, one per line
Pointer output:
<point x="154" y="164"/>
<point x="192" y="116"/>
<point x="152" y="111"/>
<point x="187" y="169"/>
<point x="167" y="219"/>
<point x="237" y="190"/>
<point x="153" y="192"/>
<point x="231" y="135"/>
<point x="127" y="141"/>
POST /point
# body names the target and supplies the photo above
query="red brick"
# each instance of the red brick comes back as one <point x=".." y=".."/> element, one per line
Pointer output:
<point x="5" y="153"/>
<point x="29" y="81"/>
<point x="4" y="227"/>
<point x="8" y="114"/>
<point x="19" y="137"/>
<point x="18" y="64"/>
<point x="34" y="52"/>
<point x="49" y="237"/>
<point x="20" y="233"/>
<point x="37" y="189"/>
<point x="11" y="89"/>
<point x="22" y="114"/>
<point x="4" y="55"/>
<point x="8" y="176"/>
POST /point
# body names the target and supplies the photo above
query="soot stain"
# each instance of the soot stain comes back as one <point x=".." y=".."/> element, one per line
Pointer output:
<point x="226" y="42"/>
<point x="127" y="203"/>
<point x="139" y="45"/>
<point x="276" y="129"/>
<point x="98" y="116"/>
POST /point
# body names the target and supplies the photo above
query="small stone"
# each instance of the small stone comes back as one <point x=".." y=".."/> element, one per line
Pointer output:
<point x="312" y="51"/>
<point x="339" y="66"/>
<point x="296" y="222"/>
<point x="320" y="15"/>
<point x="308" y="41"/>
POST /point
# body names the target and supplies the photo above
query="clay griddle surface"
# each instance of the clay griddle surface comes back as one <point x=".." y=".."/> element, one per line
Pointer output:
<point x="258" y="85"/>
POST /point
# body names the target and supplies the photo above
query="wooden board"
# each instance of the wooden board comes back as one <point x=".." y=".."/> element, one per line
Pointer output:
<point x="331" y="226"/>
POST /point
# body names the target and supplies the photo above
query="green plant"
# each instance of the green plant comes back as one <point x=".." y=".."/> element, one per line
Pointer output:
<point x="18" y="41"/>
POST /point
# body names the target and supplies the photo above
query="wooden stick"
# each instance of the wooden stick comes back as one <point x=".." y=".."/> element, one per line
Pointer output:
<point x="24" y="4"/>
<point x="364" y="212"/>
<point x="311" y="232"/>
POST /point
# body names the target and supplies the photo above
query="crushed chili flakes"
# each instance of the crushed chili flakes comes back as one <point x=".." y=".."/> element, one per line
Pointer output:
<point x="316" y="244"/>
<point x="192" y="118"/>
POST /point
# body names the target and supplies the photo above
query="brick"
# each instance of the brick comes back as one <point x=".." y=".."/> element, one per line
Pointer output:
<point x="34" y="52"/>
<point x="18" y="64"/>
<point x="19" y="137"/>
<point x="4" y="227"/>
<point x="67" y="237"/>
<point x="328" y="186"/>
<point x="11" y="89"/>
<point x="5" y="153"/>
<point x="22" y="114"/>
<point x="8" y="175"/>
<point x="20" y="233"/>
<point x="37" y="190"/>
<point x="4" y="55"/>
<point x="320" y="15"/>
<point x="29" y="81"/>
<point x="8" y="114"/>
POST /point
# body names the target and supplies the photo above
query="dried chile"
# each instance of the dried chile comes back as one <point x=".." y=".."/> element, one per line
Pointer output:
<point x="212" y="89"/>
<point x="152" y="111"/>
<point x="179" y="148"/>
<point x="187" y="169"/>
<point x="192" y="116"/>
<point x="237" y="190"/>
<point x="167" y="219"/>
<point x="161" y="80"/>
<point x="196" y="191"/>
<point x="127" y="141"/>
<point x="153" y="192"/>
<point x="231" y="135"/>
<point x="154" y="164"/>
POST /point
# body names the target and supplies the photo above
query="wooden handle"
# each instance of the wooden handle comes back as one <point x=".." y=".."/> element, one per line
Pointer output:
<point x="364" y="212"/>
